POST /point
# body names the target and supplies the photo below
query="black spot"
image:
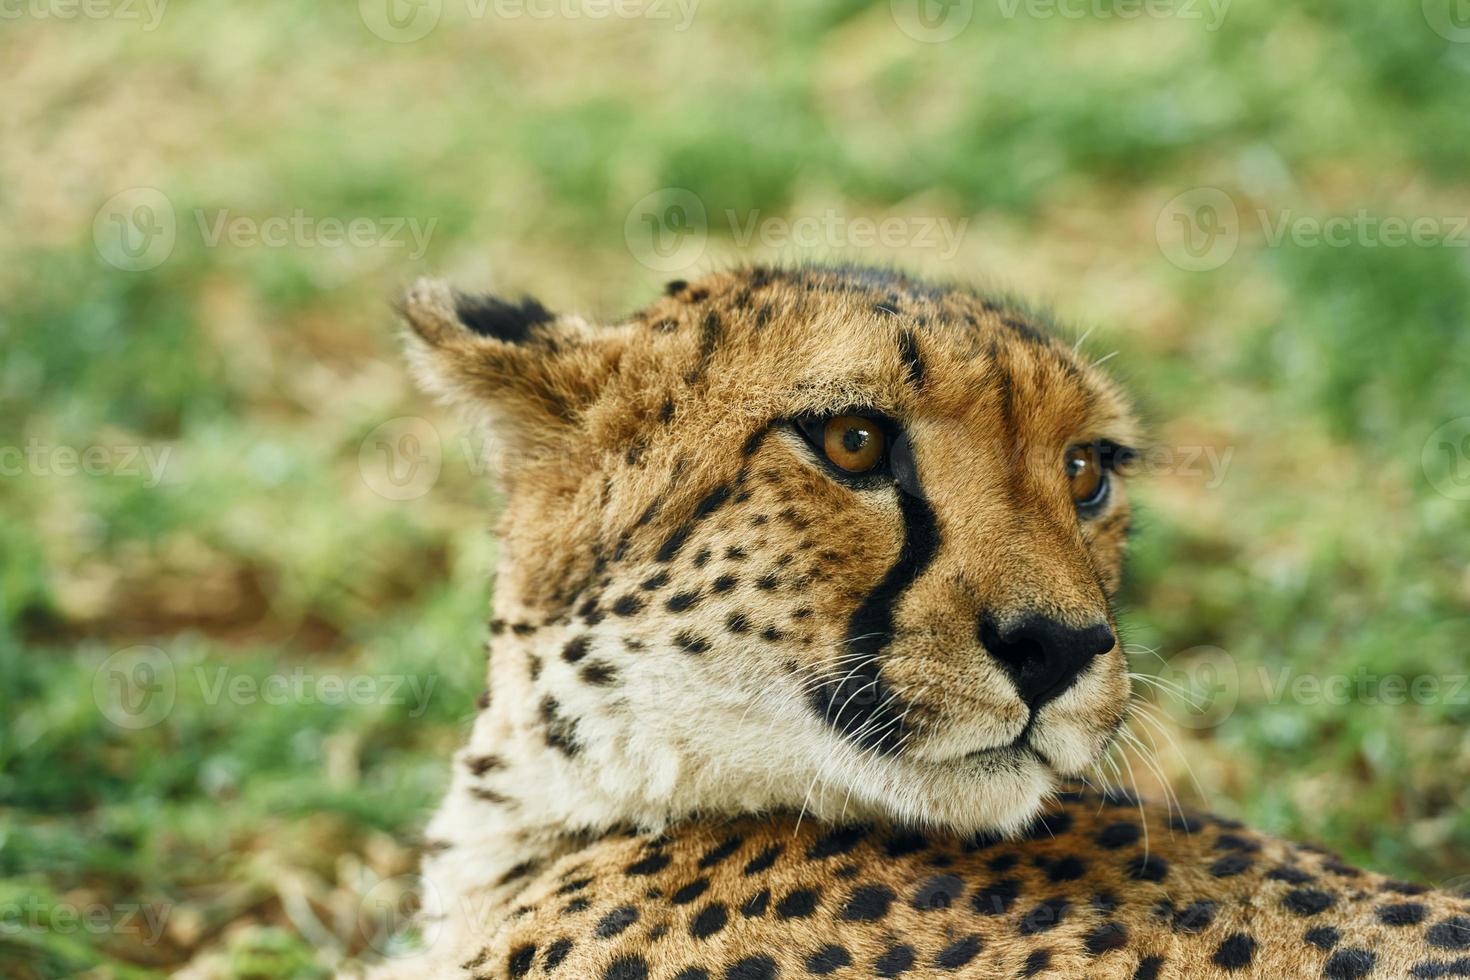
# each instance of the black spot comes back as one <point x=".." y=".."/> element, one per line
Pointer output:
<point x="690" y="891"/>
<point x="997" y="897"/>
<point x="520" y="960"/>
<point x="905" y="844"/>
<point x="715" y="855"/>
<point x="753" y="968"/>
<point x="628" y="605"/>
<point x="650" y="865"/>
<point x="709" y="921"/>
<point x="1066" y="869"/>
<point x="868" y="904"/>
<point x="675" y="286"/>
<point x="939" y="892"/>
<point x="573" y="886"/>
<point x="616" y="921"/>
<point x="1117" y="835"/>
<point x="576" y="905"/>
<point x="1236" y="952"/>
<point x="763" y="860"/>
<point x="799" y="904"/>
<point x="599" y="673"/>
<point x="656" y="581"/>
<point x="1235" y="842"/>
<point x="768" y="582"/>
<point x="1404" y="887"/>
<point x="1184" y="823"/>
<point x="896" y="962"/>
<point x="1148" y="968"/>
<point x="1196" y="916"/>
<point x="1048" y="826"/>
<point x="1452" y="933"/>
<point x="828" y="959"/>
<point x="1148" y="867"/>
<point x="1289" y="874"/>
<point x="755" y="905"/>
<point x="481" y="764"/>
<point x="490" y="316"/>
<point x="958" y="953"/>
<point x="520" y="871"/>
<point x="1105" y="902"/>
<point x="724" y="584"/>
<point x="1436" y="969"/>
<point x="1307" y="901"/>
<point x="840" y="841"/>
<point x="682" y="601"/>
<point x="1044" y="917"/>
<point x="1004" y="862"/>
<point x="738" y="623"/>
<point x="1323" y="937"/>
<point x="690" y="643"/>
<point x="1038" y="960"/>
<point x="1109" y="935"/>
<point x="693" y="973"/>
<point x="1349" y="964"/>
<point x="1338" y="868"/>
<point x="1230" y="865"/>
<point x="557" y="952"/>
<point x="561" y="733"/>
<point x="1402" y="914"/>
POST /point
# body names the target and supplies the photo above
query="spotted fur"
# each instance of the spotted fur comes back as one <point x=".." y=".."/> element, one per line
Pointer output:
<point x="747" y="717"/>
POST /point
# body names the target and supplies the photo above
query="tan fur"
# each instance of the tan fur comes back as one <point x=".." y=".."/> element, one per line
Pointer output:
<point x="680" y="573"/>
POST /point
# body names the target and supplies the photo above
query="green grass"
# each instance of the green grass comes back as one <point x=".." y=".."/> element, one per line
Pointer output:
<point x="254" y="830"/>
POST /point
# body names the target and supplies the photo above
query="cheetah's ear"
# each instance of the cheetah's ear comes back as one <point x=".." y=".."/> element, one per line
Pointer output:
<point x="525" y="371"/>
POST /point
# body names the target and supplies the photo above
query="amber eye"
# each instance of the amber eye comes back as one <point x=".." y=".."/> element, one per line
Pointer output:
<point x="1087" y="475"/>
<point x="853" y="443"/>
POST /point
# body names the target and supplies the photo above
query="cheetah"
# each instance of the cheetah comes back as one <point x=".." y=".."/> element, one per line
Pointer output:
<point x="803" y="641"/>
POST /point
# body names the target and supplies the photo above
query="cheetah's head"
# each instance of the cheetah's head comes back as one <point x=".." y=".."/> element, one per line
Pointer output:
<point x="820" y="538"/>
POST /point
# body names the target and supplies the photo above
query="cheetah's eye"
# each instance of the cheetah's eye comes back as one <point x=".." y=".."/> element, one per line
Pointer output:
<point x="1088" y="475"/>
<point x="853" y="444"/>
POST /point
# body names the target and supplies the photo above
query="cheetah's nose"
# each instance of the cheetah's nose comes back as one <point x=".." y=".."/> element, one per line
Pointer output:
<point x="1043" y="656"/>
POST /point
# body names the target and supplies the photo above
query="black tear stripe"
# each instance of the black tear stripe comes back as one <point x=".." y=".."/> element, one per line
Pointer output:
<point x="855" y="699"/>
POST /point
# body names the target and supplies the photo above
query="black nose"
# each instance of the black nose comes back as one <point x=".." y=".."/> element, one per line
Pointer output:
<point x="1043" y="656"/>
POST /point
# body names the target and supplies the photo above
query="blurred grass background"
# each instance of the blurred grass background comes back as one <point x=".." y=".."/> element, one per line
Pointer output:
<point x="275" y="839"/>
